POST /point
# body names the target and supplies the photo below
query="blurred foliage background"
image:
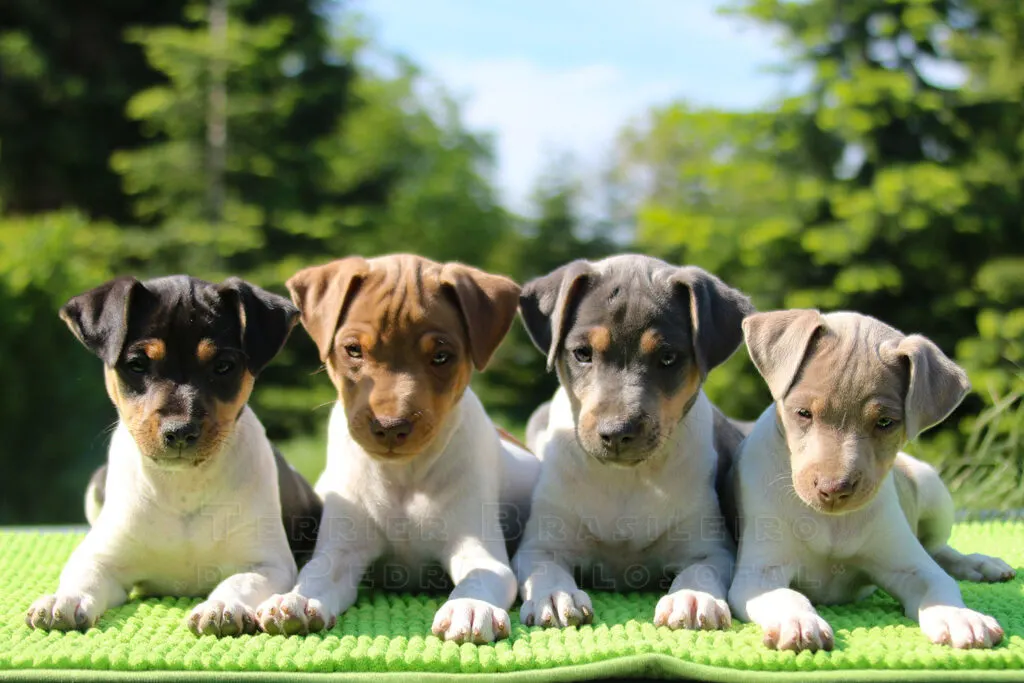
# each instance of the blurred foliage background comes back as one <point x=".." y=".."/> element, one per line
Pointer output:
<point x="254" y="137"/>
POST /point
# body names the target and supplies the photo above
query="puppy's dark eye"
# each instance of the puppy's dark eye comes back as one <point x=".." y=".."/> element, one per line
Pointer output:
<point x="803" y="413"/>
<point x="669" y="358"/>
<point x="884" y="423"/>
<point x="583" y="354"/>
<point x="223" y="366"/>
<point x="354" y="350"/>
<point x="137" y="364"/>
<point x="440" y="358"/>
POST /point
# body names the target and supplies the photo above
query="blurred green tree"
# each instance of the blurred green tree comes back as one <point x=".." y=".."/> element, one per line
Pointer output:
<point x="66" y="77"/>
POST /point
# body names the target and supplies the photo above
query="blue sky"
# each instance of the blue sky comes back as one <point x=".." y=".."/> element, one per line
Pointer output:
<point x="563" y="76"/>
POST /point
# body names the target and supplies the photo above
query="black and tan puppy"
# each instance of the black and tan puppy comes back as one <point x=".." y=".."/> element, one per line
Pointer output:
<point x="192" y="498"/>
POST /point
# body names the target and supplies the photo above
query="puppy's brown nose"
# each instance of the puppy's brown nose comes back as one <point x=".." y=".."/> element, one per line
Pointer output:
<point x="618" y="435"/>
<point x="180" y="434"/>
<point x="834" y="491"/>
<point x="391" y="431"/>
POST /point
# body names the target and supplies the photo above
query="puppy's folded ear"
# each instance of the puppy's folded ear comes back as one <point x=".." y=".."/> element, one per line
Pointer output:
<point x="99" y="318"/>
<point x="716" y="315"/>
<point x="937" y="385"/>
<point x="778" y="342"/>
<point x="323" y="295"/>
<point x="488" y="304"/>
<point x="547" y="304"/>
<point x="266" y="319"/>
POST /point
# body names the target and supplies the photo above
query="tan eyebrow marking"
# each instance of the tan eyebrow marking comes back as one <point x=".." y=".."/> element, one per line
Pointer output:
<point x="600" y="339"/>
<point x="650" y="341"/>
<point x="206" y="350"/>
<point x="155" y="349"/>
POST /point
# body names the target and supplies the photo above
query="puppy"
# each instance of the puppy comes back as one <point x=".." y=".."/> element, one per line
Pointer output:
<point x="627" y="491"/>
<point x="188" y="503"/>
<point x="829" y="505"/>
<point x="415" y="469"/>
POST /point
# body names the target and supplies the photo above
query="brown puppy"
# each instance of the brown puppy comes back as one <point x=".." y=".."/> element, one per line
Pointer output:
<point x="416" y="471"/>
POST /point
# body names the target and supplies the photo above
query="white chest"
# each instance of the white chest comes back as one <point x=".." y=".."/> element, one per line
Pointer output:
<point x="188" y="554"/>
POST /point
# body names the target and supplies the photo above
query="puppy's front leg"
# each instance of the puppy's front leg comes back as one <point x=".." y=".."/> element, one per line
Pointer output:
<point x="543" y="566"/>
<point x="930" y="595"/>
<point x="760" y="593"/>
<point x="88" y="587"/>
<point x="697" y="597"/>
<point x="347" y="543"/>
<point x="485" y="587"/>
<point x="230" y="608"/>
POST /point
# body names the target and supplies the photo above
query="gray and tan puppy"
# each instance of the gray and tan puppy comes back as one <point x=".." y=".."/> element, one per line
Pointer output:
<point x="829" y="505"/>
<point x="626" y="494"/>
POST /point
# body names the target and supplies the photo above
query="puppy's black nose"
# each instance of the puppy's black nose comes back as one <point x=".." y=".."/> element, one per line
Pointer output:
<point x="390" y="430"/>
<point x="834" y="491"/>
<point x="620" y="434"/>
<point x="181" y="434"/>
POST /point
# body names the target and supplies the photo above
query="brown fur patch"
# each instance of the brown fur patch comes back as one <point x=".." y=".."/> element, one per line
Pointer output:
<point x="673" y="406"/>
<point x="139" y="414"/>
<point x="649" y="342"/>
<point x="400" y="319"/>
<point x="225" y="414"/>
<point x="155" y="349"/>
<point x="206" y="350"/>
<point x="600" y="339"/>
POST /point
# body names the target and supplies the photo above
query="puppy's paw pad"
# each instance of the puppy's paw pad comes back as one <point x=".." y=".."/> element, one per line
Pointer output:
<point x="960" y="627"/>
<point x="61" y="613"/>
<point x="692" y="610"/>
<point x="221" y="619"/>
<point x="799" y="631"/>
<point x="466" y="620"/>
<point x="292" y="614"/>
<point x="558" y="609"/>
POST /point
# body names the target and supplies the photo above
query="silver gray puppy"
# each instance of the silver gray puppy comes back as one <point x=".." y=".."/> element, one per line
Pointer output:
<point x="627" y="493"/>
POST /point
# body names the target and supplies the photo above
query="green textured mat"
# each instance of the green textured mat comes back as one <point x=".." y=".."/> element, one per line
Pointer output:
<point x="387" y="635"/>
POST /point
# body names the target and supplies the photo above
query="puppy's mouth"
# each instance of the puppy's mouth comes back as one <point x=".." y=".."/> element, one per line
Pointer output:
<point x="625" y="457"/>
<point x="180" y="459"/>
<point x="400" y="452"/>
<point x="391" y="455"/>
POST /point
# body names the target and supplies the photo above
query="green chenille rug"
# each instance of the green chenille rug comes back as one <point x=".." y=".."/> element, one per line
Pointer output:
<point x="387" y="636"/>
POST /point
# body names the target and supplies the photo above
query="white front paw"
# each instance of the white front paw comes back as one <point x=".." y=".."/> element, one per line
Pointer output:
<point x="465" y="620"/>
<point x="62" y="613"/>
<point x="800" y="630"/>
<point x="558" y="608"/>
<point x="221" y="618"/>
<point x="960" y="627"/>
<point x="292" y="614"/>
<point x="692" y="609"/>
